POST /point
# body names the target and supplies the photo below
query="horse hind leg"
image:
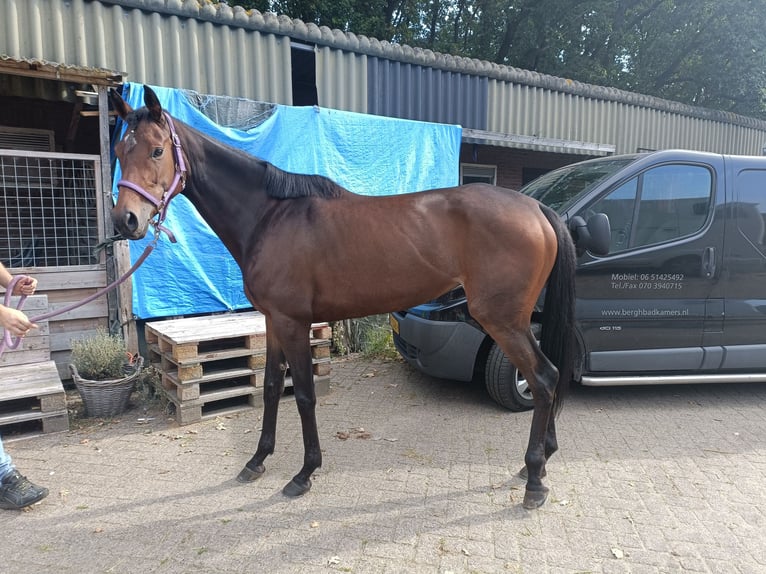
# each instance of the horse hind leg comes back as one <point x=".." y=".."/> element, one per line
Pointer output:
<point x="542" y="444"/>
<point x="523" y="351"/>
<point x="551" y="442"/>
<point x="273" y="387"/>
<point x="551" y="446"/>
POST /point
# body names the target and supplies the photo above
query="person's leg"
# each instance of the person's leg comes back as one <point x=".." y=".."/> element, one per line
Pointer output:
<point x="6" y="465"/>
<point x="16" y="491"/>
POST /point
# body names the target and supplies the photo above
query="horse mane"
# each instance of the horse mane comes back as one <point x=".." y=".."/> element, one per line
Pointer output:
<point x="281" y="184"/>
<point x="277" y="183"/>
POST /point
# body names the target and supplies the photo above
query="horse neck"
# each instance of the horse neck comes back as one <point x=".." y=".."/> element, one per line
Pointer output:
<point x="223" y="184"/>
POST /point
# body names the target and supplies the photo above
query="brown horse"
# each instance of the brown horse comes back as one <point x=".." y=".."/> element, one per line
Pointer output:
<point x="310" y="250"/>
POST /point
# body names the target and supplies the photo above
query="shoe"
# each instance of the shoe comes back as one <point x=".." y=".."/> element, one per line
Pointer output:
<point x="17" y="492"/>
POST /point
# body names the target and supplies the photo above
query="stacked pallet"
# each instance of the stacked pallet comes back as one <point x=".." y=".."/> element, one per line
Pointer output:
<point x="214" y="365"/>
<point x="32" y="397"/>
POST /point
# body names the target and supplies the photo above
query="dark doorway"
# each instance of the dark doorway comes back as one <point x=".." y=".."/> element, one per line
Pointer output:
<point x="304" y="75"/>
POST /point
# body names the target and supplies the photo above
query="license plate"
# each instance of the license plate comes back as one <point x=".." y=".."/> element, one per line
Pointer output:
<point x="394" y="324"/>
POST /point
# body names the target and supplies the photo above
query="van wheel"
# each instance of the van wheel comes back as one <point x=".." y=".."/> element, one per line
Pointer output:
<point x="504" y="383"/>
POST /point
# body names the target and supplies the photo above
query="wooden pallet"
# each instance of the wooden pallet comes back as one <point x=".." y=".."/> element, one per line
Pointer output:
<point x="223" y="401"/>
<point x="196" y="339"/>
<point x="32" y="400"/>
<point x="214" y="365"/>
<point x="191" y="373"/>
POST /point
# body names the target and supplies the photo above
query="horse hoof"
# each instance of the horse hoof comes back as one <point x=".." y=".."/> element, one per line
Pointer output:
<point x="524" y="473"/>
<point x="249" y="475"/>
<point x="535" y="498"/>
<point x="294" y="488"/>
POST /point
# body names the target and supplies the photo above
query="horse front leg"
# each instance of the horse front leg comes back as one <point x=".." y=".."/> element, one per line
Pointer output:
<point x="273" y="387"/>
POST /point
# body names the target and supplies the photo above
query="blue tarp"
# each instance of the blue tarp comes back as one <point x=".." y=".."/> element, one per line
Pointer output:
<point x="366" y="154"/>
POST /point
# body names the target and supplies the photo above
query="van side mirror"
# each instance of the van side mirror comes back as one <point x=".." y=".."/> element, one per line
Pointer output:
<point x="595" y="235"/>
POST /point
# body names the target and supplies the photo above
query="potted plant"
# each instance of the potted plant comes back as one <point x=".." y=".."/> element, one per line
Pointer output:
<point x="104" y="373"/>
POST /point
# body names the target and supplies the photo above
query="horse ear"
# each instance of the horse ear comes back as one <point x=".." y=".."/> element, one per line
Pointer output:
<point x="120" y="106"/>
<point x="152" y="103"/>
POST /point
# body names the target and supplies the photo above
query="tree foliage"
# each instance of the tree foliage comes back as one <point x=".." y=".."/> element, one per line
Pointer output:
<point x="701" y="52"/>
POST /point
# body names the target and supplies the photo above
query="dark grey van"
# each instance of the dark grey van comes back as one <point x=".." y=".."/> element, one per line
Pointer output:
<point x="679" y="298"/>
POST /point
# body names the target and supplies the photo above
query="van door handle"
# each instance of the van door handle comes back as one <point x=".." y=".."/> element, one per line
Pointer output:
<point x="708" y="262"/>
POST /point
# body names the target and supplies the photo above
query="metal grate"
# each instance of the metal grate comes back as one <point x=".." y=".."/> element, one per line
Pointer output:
<point x="48" y="210"/>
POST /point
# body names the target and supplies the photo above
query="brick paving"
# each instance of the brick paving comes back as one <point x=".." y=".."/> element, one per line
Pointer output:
<point x="418" y="476"/>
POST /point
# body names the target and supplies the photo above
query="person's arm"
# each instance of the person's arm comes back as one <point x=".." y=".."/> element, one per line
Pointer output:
<point x="12" y="319"/>
<point x="5" y="276"/>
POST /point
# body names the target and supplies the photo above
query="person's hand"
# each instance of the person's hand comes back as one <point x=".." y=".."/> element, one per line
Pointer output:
<point x="25" y="286"/>
<point x="15" y="321"/>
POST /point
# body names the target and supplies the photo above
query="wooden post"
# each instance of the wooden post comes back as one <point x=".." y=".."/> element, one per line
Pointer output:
<point x="125" y="297"/>
<point x="119" y="300"/>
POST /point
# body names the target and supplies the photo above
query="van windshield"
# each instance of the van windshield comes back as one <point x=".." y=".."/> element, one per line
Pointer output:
<point x="559" y="188"/>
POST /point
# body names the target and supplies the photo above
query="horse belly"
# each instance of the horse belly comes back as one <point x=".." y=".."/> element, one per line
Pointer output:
<point x="361" y="292"/>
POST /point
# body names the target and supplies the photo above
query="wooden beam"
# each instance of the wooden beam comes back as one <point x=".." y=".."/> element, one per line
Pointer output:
<point x="74" y="123"/>
<point x="94" y="113"/>
<point x="60" y="72"/>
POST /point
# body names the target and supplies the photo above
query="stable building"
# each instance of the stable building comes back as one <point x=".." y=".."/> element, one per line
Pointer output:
<point x="58" y="59"/>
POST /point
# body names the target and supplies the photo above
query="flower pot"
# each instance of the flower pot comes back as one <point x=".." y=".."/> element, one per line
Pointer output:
<point x="109" y="397"/>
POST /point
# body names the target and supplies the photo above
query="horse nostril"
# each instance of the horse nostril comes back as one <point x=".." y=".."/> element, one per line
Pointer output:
<point x="126" y="222"/>
<point x="131" y="221"/>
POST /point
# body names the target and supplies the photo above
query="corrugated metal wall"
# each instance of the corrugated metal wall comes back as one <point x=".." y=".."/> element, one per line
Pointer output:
<point x="541" y="112"/>
<point x="413" y="92"/>
<point x="341" y="79"/>
<point x="159" y="49"/>
<point x="222" y="50"/>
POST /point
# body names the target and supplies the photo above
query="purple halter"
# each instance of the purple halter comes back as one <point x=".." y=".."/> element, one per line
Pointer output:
<point x="180" y="177"/>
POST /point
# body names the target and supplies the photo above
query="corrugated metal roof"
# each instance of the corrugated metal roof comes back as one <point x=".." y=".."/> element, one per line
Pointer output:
<point x="238" y="17"/>
<point x="175" y="44"/>
<point x="224" y="50"/>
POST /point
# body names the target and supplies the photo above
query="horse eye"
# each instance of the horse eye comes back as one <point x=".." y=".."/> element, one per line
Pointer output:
<point x="157" y="153"/>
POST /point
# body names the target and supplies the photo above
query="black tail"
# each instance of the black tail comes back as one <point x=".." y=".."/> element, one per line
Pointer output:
<point x="557" y="340"/>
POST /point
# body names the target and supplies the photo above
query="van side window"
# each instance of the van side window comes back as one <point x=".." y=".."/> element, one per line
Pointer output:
<point x="662" y="204"/>
<point x="750" y="207"/>
<point x="620" y="206"/>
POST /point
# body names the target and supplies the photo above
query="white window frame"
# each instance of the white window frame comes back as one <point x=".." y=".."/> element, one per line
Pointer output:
<point x="488" y="173"/>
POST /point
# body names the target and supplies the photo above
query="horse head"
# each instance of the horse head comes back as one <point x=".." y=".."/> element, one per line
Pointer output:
<point x="152" y="163"/>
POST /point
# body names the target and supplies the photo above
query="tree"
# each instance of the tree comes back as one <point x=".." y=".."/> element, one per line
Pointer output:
<point x="706" y="53"/>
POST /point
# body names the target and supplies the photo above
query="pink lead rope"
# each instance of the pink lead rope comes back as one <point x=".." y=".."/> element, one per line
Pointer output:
<point x="10" y="342"/>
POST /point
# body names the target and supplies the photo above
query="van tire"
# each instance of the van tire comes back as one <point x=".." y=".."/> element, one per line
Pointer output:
<point x="504" y="383"/>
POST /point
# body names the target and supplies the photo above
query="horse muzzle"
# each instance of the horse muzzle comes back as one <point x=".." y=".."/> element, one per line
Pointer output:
<point x="129" y="224"/>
